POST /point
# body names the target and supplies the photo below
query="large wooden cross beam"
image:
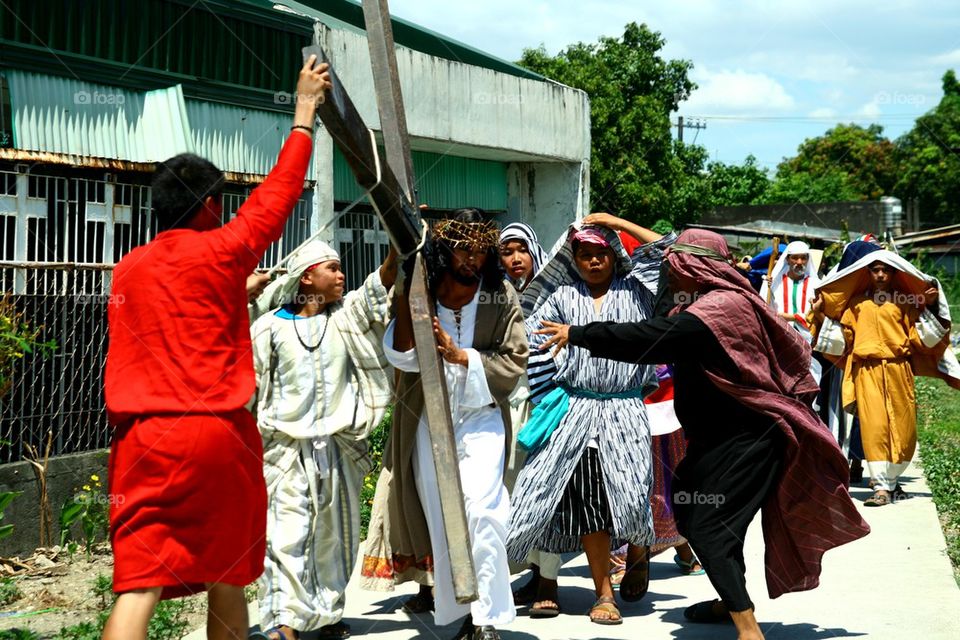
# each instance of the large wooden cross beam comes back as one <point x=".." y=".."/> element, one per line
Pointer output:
<point x="391" y="192"/>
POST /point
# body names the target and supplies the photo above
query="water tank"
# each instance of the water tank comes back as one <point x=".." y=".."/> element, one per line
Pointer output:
<point x="892" y="215"/>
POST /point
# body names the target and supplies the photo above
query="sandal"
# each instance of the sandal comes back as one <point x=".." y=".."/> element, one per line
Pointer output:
<point x="703" y="612"/>
<point x="546" y="608"/>
<point x="334" y="631"/>
<point x="278" y="632"/>
<point x="420" y="603"/>
<point x="880" y="498"/>
<point x="686" y="568"/>
<point x="636" y="580"/>
<point x="608" y="606"/>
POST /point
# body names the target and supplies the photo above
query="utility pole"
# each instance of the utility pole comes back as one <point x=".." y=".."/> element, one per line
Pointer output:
<point x="695" y="124"/>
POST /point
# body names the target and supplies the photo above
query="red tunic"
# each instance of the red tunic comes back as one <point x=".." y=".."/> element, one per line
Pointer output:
<point x="186" y="468"/>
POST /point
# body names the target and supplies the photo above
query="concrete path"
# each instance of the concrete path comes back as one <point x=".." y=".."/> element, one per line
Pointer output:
<point x="896" y="583"/>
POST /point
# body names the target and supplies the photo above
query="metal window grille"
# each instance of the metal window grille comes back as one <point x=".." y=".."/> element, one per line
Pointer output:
<point x="59" y="239"/>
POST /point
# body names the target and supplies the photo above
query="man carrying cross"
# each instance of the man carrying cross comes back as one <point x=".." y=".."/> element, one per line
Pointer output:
<point x="481" y="338"/>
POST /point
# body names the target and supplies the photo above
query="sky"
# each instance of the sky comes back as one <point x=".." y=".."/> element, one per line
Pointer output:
<point x="769" y="74"/>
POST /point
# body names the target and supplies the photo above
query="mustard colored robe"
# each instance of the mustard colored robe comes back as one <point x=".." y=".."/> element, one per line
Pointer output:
<point x="878" y="377"/>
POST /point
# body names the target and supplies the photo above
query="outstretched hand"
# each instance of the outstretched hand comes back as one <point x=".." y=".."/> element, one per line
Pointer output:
<point x="607" y="220"/>
<point x="559" y="336"/>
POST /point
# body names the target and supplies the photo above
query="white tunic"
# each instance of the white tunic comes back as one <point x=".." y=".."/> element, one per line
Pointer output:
<point x="479" y="434"/>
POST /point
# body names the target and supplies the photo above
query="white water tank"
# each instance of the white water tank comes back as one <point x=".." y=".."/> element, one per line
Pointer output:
<point x="892" y="215"/>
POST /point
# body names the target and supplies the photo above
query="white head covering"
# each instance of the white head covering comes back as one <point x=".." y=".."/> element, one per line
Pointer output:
<point x="795" y="248"/>
<point x="525" y="233"/>
<point x="282" y="290"/>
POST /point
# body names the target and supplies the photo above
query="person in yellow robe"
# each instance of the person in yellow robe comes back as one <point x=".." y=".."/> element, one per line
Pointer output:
<point x="882" y="343"/>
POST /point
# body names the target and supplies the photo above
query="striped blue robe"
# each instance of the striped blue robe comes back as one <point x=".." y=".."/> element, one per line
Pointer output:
<point x="619" y="425"/>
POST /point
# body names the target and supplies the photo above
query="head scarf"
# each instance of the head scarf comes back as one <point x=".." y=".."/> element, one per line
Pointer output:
<point x="525" y="234"/>
<point x="856" y="250"/>
<point x="591" y="235"/>
<point x="795" y="248"/>
<point x="810" y="511"/>
<point x="561" y="268"/>
<point x="282" y="290"/>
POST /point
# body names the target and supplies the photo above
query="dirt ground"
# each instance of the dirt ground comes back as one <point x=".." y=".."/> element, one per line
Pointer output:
<point x="58" y="591"/>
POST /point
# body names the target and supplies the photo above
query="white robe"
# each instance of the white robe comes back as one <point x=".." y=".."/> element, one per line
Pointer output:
<point x="313" y="411"/>
<point x="479" y="434"/>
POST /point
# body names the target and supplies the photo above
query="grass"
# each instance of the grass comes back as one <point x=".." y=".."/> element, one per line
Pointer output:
<point x="938" y="432"/>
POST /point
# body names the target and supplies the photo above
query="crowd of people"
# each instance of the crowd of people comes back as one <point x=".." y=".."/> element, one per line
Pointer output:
<point x="624" y="394"/>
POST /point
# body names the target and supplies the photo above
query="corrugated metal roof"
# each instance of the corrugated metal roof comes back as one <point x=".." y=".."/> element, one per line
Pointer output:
<point x="64" y="116"/>
<point x="60" y="115"/>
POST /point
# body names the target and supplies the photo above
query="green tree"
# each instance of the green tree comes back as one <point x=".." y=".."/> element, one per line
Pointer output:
<point x="736" y="184"/>
<point x="848" y="162"/>
<point x="805" y="187"/>
<point x="634" y="168"/>
<point x="929" y="159"/>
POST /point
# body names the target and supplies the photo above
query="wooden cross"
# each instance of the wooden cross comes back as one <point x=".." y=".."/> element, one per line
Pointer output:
<point x="390" y="185"/>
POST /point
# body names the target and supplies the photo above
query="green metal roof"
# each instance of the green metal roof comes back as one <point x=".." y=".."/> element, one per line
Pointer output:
<point x="239" y="52"/>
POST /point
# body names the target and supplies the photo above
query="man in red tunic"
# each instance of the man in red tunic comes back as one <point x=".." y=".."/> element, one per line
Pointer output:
<point x="186" y="467"/>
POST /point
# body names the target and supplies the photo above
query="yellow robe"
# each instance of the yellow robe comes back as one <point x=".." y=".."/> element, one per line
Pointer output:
<point x="878" y="377"/>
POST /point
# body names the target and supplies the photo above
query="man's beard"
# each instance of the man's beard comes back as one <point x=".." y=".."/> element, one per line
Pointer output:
<point x="466" y="279"/>
<point x="798" y="270"/>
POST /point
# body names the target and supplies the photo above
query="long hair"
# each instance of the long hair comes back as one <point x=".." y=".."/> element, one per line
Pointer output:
<point x="438" y="254"/>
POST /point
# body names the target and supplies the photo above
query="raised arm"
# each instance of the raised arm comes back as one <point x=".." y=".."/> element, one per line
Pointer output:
<point x="641" y="234"/>
<point x="260" y="220"/>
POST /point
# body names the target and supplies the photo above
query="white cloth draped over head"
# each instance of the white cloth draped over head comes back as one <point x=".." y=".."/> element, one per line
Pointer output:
<point x="839" y="288"/>
<point x="795" y="248"/>
<point x="282" y="290"/>
<point x="525" y="233"/>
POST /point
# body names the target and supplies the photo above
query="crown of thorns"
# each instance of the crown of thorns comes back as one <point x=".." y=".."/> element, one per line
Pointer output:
<point x="467" y="235"/>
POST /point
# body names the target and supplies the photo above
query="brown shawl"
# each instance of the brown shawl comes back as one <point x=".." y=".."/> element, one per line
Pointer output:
<point x="398" y="543"/>
<point x="810" y="512"/>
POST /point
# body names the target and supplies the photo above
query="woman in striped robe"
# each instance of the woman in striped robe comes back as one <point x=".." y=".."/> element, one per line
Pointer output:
<point x="588" y="483"/>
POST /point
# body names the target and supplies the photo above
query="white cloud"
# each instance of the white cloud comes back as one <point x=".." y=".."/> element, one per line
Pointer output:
<point x="823" y="112"/>
<point x="870" y="110"/>
<point x="737" y="91"/>
<point x="946" y="59"/>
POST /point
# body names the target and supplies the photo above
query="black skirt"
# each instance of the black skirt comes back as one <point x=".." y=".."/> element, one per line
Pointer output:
<point x="583" y="507"/>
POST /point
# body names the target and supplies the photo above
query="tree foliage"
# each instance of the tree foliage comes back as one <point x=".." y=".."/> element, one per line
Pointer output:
<point x="929" y="158"/>
<point x="848" y="162"/>
<point x="635" y="169"/>
<point x="736" y="184"/>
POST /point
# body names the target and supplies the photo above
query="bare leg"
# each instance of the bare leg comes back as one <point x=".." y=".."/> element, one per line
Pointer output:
<point x="746" y="623"/>
<point x="131" y="614"/>
<point x="597" y="547"/>
<point x="226" y="612"/>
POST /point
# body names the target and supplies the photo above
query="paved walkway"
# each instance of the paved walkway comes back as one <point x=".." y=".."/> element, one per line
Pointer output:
<point x="896" y="583"/>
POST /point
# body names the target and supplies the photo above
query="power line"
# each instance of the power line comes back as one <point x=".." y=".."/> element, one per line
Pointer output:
<point x="694" y="123"/>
